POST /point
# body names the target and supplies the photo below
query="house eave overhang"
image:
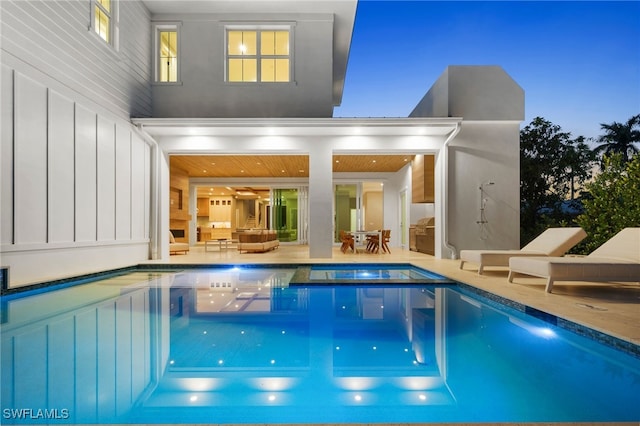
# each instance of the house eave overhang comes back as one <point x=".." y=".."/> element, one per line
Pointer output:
<point x="413" y="126"/>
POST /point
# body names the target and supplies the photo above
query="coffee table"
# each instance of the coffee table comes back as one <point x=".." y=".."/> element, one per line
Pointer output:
<point x="220" y="241"/>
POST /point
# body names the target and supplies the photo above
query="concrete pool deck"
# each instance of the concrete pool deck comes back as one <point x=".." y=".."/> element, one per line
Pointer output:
<point x="612" y="309"/>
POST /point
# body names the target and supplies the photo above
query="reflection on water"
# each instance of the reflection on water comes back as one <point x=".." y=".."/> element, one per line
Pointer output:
<point x="371" y="273"/>
<point x="242" y="346"/>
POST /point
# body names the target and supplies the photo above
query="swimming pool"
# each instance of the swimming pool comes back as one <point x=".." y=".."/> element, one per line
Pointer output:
<point x="243" y="345"/>
<point x="366" y="273"/>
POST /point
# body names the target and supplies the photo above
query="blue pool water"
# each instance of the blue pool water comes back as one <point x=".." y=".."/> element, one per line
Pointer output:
<point x="371" y="273"/>
<point x="245" y="346"/>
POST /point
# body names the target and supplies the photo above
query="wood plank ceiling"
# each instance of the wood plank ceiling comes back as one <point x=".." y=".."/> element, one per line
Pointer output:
<point x="243" y="166"/>
<point x="274" y="166"/>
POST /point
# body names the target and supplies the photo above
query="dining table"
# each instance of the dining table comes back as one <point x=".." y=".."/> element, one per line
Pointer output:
<point x="361" y="237"/>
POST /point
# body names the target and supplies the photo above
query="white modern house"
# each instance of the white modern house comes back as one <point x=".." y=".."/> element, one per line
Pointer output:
<point x="97" y="97"/>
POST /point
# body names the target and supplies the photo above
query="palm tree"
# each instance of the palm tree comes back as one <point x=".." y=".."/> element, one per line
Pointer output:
<point x="620" y="138"/>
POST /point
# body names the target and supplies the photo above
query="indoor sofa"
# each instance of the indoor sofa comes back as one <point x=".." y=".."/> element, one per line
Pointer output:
<point x="176" y="247"/>
<point x="258" y="240"/>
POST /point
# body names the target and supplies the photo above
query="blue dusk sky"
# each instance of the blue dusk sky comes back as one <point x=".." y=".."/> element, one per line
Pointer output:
<point x="577" y="61"/>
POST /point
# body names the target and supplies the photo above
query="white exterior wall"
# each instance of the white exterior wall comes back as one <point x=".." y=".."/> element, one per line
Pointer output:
<point x="487" y="148"/>
<point x="204" y="93"/>
<point x="480" y="153"/>
<point x="320" y="201"/>
<point x="54" y="38"/>
<point x="75" y="191"/>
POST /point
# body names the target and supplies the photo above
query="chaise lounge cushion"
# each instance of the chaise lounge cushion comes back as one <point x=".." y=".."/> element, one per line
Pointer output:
<point x="552" y="242"/>
<point x="616" y="260"/>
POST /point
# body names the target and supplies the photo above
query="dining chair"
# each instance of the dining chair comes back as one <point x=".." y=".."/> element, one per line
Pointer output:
<point x="347" y="241"/>
<point x="386" y="236"/>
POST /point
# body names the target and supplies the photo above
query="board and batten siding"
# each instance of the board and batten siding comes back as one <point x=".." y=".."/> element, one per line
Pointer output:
<point x="55" y="39"/>
<point x="75" y="174"/>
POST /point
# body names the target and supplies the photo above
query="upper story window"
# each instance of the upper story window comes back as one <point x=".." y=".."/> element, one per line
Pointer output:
<point x="259" y="54"/>
<point x="167" y="53"/>
<point x="104" y="19"/>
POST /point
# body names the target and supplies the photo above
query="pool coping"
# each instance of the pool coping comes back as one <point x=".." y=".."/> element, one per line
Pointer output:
<point x="302" y="276"/>
<point x="614" y="342"/>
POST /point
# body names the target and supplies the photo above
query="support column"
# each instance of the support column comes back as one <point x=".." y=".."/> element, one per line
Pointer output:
<point x="320" y="201"/>
<point x="159" y="225"/>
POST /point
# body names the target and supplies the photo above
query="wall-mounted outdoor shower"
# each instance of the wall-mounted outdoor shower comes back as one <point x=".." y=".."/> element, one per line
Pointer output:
<point x="483" y="204"/>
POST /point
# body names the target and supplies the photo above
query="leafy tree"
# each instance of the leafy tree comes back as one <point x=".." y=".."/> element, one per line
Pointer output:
<point x="613" y="201"/>
<point x="620" y="138"/>
<point x="552" y="164"/>
<point x="579" y="158"/>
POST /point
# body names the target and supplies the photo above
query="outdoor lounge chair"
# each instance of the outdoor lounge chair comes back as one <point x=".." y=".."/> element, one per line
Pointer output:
<point x="616" y="260"/>
<point x="552" y="242"/>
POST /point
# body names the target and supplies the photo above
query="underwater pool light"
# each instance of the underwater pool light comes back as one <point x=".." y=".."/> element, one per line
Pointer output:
<point x="274" y="384"/>
<point x="544" y="332"/>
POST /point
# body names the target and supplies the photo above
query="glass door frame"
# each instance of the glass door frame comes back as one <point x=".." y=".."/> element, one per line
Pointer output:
<point x="358" y="222"/>
<point x="358" y="210"/>
<point x="301" y="215"/>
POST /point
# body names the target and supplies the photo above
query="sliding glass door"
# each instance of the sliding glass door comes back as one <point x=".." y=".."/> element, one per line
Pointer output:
<point x="284" y="211"/>
<point x="347" y="208"/>
<point x="357" y="206"/>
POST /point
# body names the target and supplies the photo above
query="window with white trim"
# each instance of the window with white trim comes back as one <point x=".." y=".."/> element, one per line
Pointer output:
<point x="258" y="54"/>
<point x="104" y="20"/>
<point x="167" y="53"/>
